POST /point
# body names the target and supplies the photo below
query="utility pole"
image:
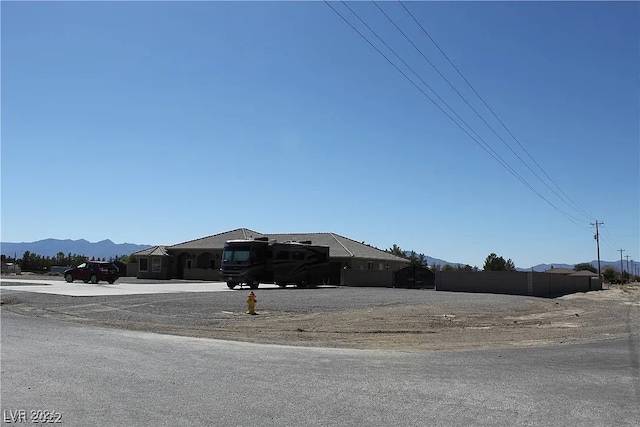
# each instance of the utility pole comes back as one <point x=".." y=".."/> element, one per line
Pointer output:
<point x="597" y="237"/>
<point x="621" y="267"/>
<point x="627" y="257"/>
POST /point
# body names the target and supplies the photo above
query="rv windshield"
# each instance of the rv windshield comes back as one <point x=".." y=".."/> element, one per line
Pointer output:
<point x="236" y="253"/>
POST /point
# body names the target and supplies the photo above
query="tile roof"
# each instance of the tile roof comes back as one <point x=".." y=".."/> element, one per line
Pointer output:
<point x="217" y="241"/>
<point x="339" y="246"/>
<point x="152" y="251"/>
<point x="560" y="271"/>
<point x="584" y="273"/>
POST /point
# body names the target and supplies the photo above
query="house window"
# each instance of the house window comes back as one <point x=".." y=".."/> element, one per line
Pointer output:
<point x="386" y="266"/>
<point x="381" y="266"/>
<point x="144" y="264"/>
<point x="370" y="265"/>
<point x="156" y="265"/>
<point x="189" y="263"/>
<point x="212" y="264"/>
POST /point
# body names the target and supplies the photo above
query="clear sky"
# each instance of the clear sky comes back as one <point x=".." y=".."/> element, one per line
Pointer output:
<point x="161" y="122"/>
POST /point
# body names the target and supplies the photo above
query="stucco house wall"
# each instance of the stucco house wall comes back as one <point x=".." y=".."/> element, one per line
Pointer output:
<point x="153" y="267"/>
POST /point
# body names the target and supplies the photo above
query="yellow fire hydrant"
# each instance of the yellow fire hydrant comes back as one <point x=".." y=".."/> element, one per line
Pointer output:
<point x="251" y="304"/>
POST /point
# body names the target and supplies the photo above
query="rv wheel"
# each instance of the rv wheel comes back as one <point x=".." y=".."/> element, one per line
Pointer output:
<point x="253" y="285"/>
<point x="231" y="285"/>
<point x="282" y="285"/>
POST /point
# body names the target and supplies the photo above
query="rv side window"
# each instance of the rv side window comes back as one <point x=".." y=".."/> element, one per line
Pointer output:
<point x="298" y="255"/>
<point x="282" y="255"/>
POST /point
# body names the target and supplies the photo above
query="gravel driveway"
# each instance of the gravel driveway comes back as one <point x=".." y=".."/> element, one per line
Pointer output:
<point x="400" y="319"/>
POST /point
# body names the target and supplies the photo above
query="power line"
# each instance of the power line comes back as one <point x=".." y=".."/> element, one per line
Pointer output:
<point x="473" y="109"/>
<point x="609" y="239"/>
<point x="488" y="149"/>
<point x="499" y="159"/>
<point x="578" y="208"/>
<point x="416" y="74"/>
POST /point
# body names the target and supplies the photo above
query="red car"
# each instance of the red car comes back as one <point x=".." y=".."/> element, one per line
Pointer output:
<point x="93" y="271"/>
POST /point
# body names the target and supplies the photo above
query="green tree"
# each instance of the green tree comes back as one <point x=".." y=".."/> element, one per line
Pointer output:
<point x="422" y="260"/>
<point x="585" y="266"/>
<point x="47" y="262"/>
<point x="395" y="250"/>
<point x="413" y="258"/>
<point x="61" y="259"/>
<point x="26" y="262"/>
<point x="625" y="276"/>
<point x="510" y="265"/>
<point x="448" y="267"/>
<point x="609" y="274"/>
<point x="495" y="263"/>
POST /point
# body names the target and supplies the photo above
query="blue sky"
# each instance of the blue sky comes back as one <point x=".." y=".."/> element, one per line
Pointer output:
<point x="161" y="122"/>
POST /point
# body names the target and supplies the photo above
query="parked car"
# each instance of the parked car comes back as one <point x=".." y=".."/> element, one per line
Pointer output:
<point x="93" y="271"/>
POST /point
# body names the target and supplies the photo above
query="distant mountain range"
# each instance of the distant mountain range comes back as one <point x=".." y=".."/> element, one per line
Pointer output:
<point x="603" y="265"/>
<point x="108" y="249"/>
<point x="51" y="247"/>
<point x="538" y="268"/>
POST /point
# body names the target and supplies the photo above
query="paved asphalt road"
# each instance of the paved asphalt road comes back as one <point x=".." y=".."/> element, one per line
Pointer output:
<point x="96" y="376"/>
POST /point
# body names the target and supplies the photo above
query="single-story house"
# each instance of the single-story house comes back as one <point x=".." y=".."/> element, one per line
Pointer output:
<point x="570" y="272"/>
<point x="153" y="263"/>
<point x="200" y="259"/>
<point x="560" y="271"/>
<point x="584" y="273"/>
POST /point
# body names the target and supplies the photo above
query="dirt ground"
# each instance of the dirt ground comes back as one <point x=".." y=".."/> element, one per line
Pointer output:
<point x="582" y="317"/>
<point x="597" y="315"/>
